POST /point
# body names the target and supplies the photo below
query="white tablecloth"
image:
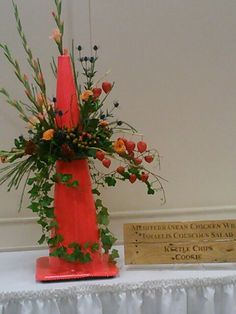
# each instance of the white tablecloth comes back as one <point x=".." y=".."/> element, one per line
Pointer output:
<point x="200" y="289"/>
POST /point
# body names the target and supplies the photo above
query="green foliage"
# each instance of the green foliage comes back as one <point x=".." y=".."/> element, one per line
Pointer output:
<point x="114" y="255"/>
<point x="110" y="181"/>
<point x="107" y="238"/>
<point x="75" y="252"/>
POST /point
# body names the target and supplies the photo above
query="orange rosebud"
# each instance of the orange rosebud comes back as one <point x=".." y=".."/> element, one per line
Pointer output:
<point x="56" y="35"/>
<point x="48" y="135"/>
<point x="119" y="146"/>
<point x="103" y="123"/>
<point x="86" y="94"/>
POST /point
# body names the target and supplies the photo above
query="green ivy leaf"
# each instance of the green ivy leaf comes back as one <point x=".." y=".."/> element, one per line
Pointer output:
<point x="73" y="184"/>
<point x="92" y="123"/>
<point x="42" y="239"/>
<point x="98" y="203"/>
<point x="58" y="252"/>
<point x="114" y="255"/>
<point x="31" y="181"/>
<point x="110" y="181"/>
<point x="86" y="245"/>
<point x="46" y="201"/>
<point x="107" y="239"/>
<point x="151" y="191"/>
<point x="42" y="222"/>
<point x="94" y="247"/>
<point x="34" y="191"/>
<point x="64" y="178"/>
<point x="103" y="217"/>
<point x="91" y="152"/>
<point x="34" y="207"/>
<point x="53" y="224"/>
<point x="74" y="245"/>
<point x="86" y="258"/>
<point x="134" y="171"/>
<point x="49" y="212"/>
<point x="55" y="240"/>
<point x="126" y="175"/>
<point x="96" y="192"/>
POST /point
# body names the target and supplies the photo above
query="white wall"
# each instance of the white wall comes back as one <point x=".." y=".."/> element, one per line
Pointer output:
<point x="174" y="66"/>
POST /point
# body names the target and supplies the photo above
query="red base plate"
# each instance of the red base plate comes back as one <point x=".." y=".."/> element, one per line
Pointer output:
<point x="55" y="269"/>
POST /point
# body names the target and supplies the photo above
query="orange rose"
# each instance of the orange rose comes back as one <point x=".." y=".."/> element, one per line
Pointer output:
<point x="103" y="123"/>
<point x="119" y="146"/>
<point x="86" y="94"/>
<point x="48" y="135"/>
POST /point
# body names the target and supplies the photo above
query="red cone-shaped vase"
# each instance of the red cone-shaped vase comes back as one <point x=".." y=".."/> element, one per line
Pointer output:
<point x="74" y="207"/>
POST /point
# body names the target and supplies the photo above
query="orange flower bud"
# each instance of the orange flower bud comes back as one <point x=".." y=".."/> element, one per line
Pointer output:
<point x="48" y="135"/>
<point x="86" y="94"/>
<point x="56" y="35"/>
<point x="25" y="77"/>
<point x="40" y="99"/>
<point x="40" y="78"/>
<point x="103" y="123"/>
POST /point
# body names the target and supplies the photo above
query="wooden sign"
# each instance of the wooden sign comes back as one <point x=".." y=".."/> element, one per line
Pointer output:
<point x="180" y="242"/>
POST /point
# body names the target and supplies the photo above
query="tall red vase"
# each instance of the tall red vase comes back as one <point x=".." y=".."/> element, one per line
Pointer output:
<point x="74" y="207"/>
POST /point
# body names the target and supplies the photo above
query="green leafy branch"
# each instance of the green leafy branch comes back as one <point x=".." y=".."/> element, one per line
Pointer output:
<point x="34" y="63"/>
<point x="60" y="25"/>
<point x="15" y="104"/>
<point x="29" y="89"/>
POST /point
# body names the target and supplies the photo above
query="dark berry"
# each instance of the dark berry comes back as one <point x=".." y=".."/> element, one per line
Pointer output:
<point x="119" y="123"/>
<point x="85" y="59"/>
<point x="54" y="99"/>
<point x="60" y="113"/>
<point x="60" y="137"/>
<point x="116" y="104"/>
<point x="95" y="47"/>
<point x="92" y="59"/>
<point x="79" y="48"/>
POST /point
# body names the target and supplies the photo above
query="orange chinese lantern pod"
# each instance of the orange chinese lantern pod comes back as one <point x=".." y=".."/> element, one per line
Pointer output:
<point x="74" y="207"/>
<point x="67" y="106"/>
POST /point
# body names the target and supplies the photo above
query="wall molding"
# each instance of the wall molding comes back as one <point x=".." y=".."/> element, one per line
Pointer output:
<point x="22" y="233"/>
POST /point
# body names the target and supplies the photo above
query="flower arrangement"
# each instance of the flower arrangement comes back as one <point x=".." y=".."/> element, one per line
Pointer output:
<point x="97" y="136"/>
